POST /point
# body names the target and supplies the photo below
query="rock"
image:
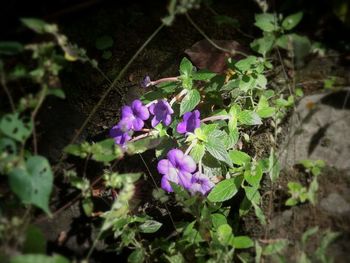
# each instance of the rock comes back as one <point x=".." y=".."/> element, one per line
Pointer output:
<point x="319" y="129"/>
<point x="335" y="204"/>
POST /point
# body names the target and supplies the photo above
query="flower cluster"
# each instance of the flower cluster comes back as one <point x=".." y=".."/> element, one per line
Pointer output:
<point x="133" y="118"/>
<point x="179" y="168"/>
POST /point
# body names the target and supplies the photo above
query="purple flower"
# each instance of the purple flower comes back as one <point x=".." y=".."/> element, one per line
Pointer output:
<point x="121" y="132"/>
<point x="178" y="168"/>
<point x="200" y="183"/>
<point x="162" y="112"/>
<point x="146" y="82"/>
<point x="190" y="122"/>
<point x="136" y="114"/>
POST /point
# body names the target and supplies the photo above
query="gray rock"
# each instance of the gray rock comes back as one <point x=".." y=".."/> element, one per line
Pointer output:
<point x="319" y="129"/>
<point x="335" y="204"/>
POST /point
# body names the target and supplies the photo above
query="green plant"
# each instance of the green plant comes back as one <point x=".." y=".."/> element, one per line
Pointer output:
<point x="301" y="194"/>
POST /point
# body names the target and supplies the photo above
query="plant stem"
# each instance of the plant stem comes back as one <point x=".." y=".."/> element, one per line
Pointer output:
<point x="178" y="96"/>
<point x="155" y="82"/>
<point x="7" y="91"/>
<point x="216" y="118"/>
<point x="35" y="112"/>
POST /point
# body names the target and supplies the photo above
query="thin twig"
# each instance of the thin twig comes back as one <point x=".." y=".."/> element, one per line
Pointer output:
<point x="232" y="51"/>
<point x="34" y="113"/>
<point x="7" y="91"/>
<point x="155" y="184"/>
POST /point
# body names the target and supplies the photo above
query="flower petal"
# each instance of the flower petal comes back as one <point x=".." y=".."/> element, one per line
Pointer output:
<point x="138" y="124"/>
<point x="154" y="122"/>
<point x="142" y="113"/>
<point x="175" y="156"/>
<point x="187" y="164"/>
<point x="151" y="108"/>
<point x="181" y="127"/>
<point x="167" y="120"/>
<point x="136" y="104"/>
<point x="185" y="179"/>
<point x="127" y="112"/>
<point x="164" y="166"/>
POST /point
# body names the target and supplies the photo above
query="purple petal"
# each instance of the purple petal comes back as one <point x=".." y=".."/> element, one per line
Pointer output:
<point x="185" y="179"/>
<point x="172" y="176"/>
<point x="145" y="82"/>
<point x="175" y="156"/>
<point x="142" y="113"/>
<point x="168" y="107"/>
<point x="127" y="112"/>
<point x="164" y="166"/>
<point x="187" y="164"/>
<point x="136" y="104"/>
<point x="167" y="120"/>
<point x="181" y="127"/>
<point x="187" y="115"/>
<point x="154" y="122"/>
<point x="138" y="124"/>
<point x="151" y="108"/>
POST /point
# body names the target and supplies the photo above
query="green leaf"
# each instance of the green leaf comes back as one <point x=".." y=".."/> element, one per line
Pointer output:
<point x="33" y="183"/>
<point x="225" y="190"/>
<point x="239" y="158"/>
<point x="190" y="101"/>
<point x="150" y="226"/>
<point x="246" y="64"/>
<point x="252" y="194"/>
<point x="308" y="233"/>
<point x="35" y="241"/>
<point x="137" y="256"/>
<point x="274" y="166"/>
<point x="218" y="220"/>
<point x="12" y="126"/>
<point x="224" y="233"/>
<point x="261" y="81"/>
<point x="275" y="247"/>
<point x="186" y="67"/>
<point x="248" y="117"/>
<point x="106" y="151"/>
<point x="34" y="24"/>
<point x="104" y="42"/>
<point x="266" y="22"/>
<point x="292" y="21"/>
<point x="203" y="74"/>
<point x="264" y="44"/>
<point x="241" y="242"/>
<point x="197" y="152"/>
<point x="254" y="174"/>
<point x="263" y="109"/>
<point x="143" y="145"/>
<point x="218" y="150"/>
<point x="10" y="47"/>
<point x="327" y="239"/>
<point x="38" y="258"/>
<point x="179" y="191"/>
<point x="57" y="92"/>
<point x="259" y="214"/>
